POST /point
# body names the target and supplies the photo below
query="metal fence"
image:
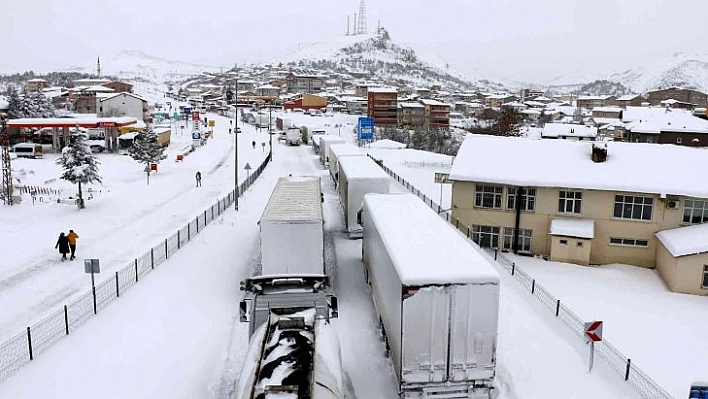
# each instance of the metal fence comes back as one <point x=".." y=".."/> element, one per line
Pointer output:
<point x="646" y="387"/>
<point x="25" y="346"/>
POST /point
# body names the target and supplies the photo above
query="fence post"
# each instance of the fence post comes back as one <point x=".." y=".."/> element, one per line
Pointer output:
<point x="29" y="341"/>
<point x="558" y="305"/>
<point x="468" y="231"/>
<point x="66" y="319"/>
<point x="496" y="251"/>
<point x="457" y="224"/>
<point x="626" y="373"/>
<point x="197" y="221"/>
<point x="93" y="290"/>
<point x="117" y="287"/>
<point x="178" y="238"/>
<point x="165" y="248"/>
<point x="136" y="270"/>
<point x="533" y="285"/>
<point x="212" y="215"/>
<point x="513" y="268"/>
<point x="152" y="258"/>
<point x="189" y="230"/>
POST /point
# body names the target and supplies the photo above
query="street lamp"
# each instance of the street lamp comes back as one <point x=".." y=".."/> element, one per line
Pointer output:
<point x="236" y="190"/>
<point x="270" y="133"/>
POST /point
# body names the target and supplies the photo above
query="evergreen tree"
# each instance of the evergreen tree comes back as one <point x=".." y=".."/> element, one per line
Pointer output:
<point x="79" y="164"/>
<point x="13" y="106"/>
<point x="42" y="106"/>
<point x="147" y="150"/>
<point x="229" y="96"/>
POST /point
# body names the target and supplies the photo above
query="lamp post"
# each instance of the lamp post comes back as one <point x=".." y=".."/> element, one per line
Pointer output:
<point x="270" y="133"/>
<point x="236" y="190"/>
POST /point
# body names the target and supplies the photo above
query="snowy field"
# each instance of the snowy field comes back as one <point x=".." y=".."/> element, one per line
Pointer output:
<point x="176" y="334"/>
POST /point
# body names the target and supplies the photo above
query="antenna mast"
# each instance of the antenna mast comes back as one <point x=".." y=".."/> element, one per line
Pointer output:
<point x="6" y="192"/>
<point x="361" y="27"/>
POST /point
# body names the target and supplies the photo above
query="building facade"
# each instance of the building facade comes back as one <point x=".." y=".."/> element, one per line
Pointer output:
<point x="298" y="83"/>
<point x="690" y="96"/>
<point x="382" y="105"/>
<point x="123" y="104"/>
<point x="437" y="114"/>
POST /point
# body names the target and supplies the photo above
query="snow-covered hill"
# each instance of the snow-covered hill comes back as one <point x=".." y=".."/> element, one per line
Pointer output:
<point x="679" y="69"/>
<point x="379" y="57"/>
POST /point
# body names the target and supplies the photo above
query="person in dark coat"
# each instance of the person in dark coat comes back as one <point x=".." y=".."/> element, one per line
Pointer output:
<point x="63" y="245"/>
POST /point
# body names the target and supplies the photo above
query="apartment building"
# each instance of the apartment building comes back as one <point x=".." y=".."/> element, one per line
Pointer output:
<point x="690" y="96"/>
<point x="437" y="114"/>
<point x="300" y="83"/>
<point x="590" y="102"/>
<point x="411" y="115"/>
<point x="382" y="105"/>
<point x="587" y="203"/>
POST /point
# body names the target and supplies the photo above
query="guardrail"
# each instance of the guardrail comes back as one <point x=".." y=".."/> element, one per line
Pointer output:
<point x="25" y="346"/>
<point x="644" y="385"/>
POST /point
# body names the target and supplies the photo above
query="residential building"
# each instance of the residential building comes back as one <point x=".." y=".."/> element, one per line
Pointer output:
<point x="306" y="102"/>
<point x="586" y="203"/>
<point x="36" y="84"/>
<point x="496" y="100"/>
<point x="631" y="100"/>
<point x="607" y="112"/>
<point x="119" y="87"/>
<point x="568" y="131"/>
<point x="300" y="83"/>
<point x="671" y="103"/>
<point x="665" y="126"/>
<point x="90" y="82"/>
<point x="267" y="91"/>
<point x="591" y="102"/>
<point x="382" y="105"/>
<point x="654" y="97"/>
<point x="437" y="114"/>
<point x="411" y="115"/>
<point x="123" y="104"/>
<point x="529" y="94"/>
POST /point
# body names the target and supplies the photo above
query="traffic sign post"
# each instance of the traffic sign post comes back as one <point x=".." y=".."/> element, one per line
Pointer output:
<point x="248" y="170"/>
<point x="441" y="178"/>
<point x="92" y="266"/>
<point x="593" y="331"/>
<point x="366" y="128"/>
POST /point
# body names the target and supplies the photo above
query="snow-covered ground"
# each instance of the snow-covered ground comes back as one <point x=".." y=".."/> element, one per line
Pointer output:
<point x="176" y="334"/>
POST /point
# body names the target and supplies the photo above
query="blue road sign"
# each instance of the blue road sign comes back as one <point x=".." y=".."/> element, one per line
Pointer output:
<point x="187" y="110"/>
<point x="366" y="128"/>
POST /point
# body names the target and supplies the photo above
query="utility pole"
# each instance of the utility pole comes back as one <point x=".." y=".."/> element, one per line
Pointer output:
<point x="236" y="190"/>
<point x="270" y="133"/>
<point x="6" y="166"/>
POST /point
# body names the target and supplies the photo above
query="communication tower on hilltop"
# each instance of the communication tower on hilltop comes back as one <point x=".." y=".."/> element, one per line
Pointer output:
<point x="361" y="25"/>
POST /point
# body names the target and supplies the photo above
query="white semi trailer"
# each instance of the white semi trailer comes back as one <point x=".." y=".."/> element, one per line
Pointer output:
<point x="437" y="297"/>
<point x="358" y="176"/>
<point x="326" y="142"/>
<point x="337" y="151"/>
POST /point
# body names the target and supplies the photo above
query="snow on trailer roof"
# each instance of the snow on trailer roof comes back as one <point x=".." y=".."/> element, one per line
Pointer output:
<point x="329" y="137"/>
<point x="294" y="199"/>
<point x="686" y="240"/>
<point x="424" y="248"/>
<point x="361" y="167"/>
<point x="563" y="163"/>
<point x="340" y="150"/>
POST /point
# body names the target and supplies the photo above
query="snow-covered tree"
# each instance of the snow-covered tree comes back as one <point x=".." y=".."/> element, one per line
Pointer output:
<point x="13" y="106"/>
<point x="79" y="164"/>
<point x="43" y="108"/>
<point x="147" y="150"/>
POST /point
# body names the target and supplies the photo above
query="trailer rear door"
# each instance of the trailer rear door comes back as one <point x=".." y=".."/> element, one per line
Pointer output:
<point x="425" y="335"/>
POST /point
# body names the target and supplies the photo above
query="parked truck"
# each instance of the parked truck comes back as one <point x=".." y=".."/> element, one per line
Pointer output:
<point x="337" y="151"/>
<point x="293" y="136"/>
<point x="358" y="176"/>
<point x="293" y="350"/>
<point x="291" y="228"/>
<point x="325" y="142"/>
<point x="437" y="297"/>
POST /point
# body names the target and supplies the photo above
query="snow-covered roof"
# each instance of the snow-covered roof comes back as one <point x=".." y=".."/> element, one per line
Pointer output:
<point x="630" y="167"/>
<point x="591" y="98"/>
<point x="294" y="198"/>
<point x="434" y="103"/>
<point x="568" y="129"/>
<point x="672" y="101"/>
<point x="411" y="105"/>
<point x="687" y="240"/>
<point x="340" y="150"/>
<point x="580" y="228"/>
<point x="382" y="90"/>
<point x="330" y="138"/>
<point x="628" y="97"/>
<point x="424" y="248"/>
<point x="387" y="144"/>
<point x="606" y="121"/>
<point x="98" y="89"/>
<point x="607" y="109"/>
<point x="361" y="168"/>
<point x="128" y="136"/>
<point x="669" y="120"/>
<point x="123" y="94"/>
<point x="71" y="122"/>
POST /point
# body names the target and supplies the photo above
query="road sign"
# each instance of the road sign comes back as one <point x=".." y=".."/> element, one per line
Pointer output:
<point x="442" y="178"/>
<point x="593" y="330"/>
<point x="91" y="266"/>
<point x="195" y="115"/>
<point x="187" y="110"/>
<point x="212" y="123"/>
<point x="248" y="166"/>
<point x="366" y="128"/>
<point x="196" y="135"/>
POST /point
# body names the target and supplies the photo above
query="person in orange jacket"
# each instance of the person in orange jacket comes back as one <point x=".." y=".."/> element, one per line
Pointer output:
<point x="72" y="236"/>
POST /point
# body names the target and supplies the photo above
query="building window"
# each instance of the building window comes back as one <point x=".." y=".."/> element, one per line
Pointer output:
<point x="695" y="212"/>
<point x="629" y="242"/>
<point x="705" y="277"/>
<point x="488" y="196"/>
<point x="564" y="243"/>
<point x="528" y="198"/>
<point x="486" y="236"/>
<point x="569" y="201"/>
<point x="631" y="207"/>
<point x="678" y="140"/>
<point x="524" y="240"/>
<point x="579" y="244"/>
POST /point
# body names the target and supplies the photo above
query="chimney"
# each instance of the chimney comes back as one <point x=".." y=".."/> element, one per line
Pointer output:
<point x="599" y="151"/>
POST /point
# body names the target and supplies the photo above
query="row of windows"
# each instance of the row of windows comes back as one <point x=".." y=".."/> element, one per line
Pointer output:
<point x="570" y="202"/>
<point x="488" y="237"/>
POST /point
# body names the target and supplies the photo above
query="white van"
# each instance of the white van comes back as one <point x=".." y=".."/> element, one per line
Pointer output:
<point x="27" y="150"/>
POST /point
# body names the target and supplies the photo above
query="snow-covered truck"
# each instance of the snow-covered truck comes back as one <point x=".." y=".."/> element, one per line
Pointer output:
<point x="337" y="151"/>
<point x="293" y="136"/>
<point x="437" y="297"/>
<point x="293" y="350"/>
<point x="292" y="228"/>
<point x="358" y="176"/>
<point x="326" y="142"/>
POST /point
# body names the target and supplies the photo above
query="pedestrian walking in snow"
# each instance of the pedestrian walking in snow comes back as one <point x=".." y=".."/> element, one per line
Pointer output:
<point x="253" y="143"/>
<point x="63" y="245"/>
<point x="72" y="236"/>
<point x="199" y="178"/>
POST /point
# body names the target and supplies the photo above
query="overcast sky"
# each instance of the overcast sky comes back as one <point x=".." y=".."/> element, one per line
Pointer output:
<point x="513" y="39"/>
